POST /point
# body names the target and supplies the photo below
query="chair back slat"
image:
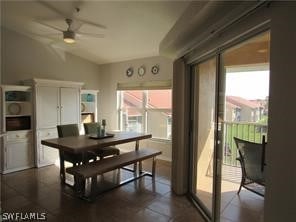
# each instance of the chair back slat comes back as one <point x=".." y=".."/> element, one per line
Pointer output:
<point x="68" y="130"/>
<point x="251" y="156"/>
<point x="90" y="128"/>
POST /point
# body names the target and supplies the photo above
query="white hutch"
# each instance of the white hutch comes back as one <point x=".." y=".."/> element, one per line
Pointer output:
<point x="17" y="151"/>
<point x="55" y="103"/>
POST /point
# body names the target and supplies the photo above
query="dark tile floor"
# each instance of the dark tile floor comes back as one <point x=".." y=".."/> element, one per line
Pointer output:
<point x="39" y="190"/>
<point x="245" y="207"/>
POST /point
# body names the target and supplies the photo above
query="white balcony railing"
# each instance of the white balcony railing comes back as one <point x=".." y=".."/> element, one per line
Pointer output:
<point x="250" y="131"/>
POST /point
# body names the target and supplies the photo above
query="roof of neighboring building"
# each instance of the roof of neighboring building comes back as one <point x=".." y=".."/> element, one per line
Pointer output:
<point x="231" y="105"/>
<point x="133" y="99"/>
<point x="155" y="99"/>
<point x="260" y="102"/>
<point x="239" y="101"/>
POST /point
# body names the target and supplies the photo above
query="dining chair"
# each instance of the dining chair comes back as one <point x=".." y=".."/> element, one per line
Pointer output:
<point x="72" y="130"/>
<point x="252" y="161"/>
<point x="91" y="128"/>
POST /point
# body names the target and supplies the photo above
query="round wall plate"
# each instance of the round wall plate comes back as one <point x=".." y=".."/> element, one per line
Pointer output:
<point x="155" y="69"/>
<point x="129" y="72"/>
<point x="14" y="109"/>
<point x="141" y="71"/>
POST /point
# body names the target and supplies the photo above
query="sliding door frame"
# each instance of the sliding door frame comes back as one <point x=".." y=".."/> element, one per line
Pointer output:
<point x="192" y="152"/>
<point x="218" y="134"/>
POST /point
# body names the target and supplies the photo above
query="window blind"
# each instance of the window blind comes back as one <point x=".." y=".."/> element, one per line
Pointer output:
<point x="149" y="85"/>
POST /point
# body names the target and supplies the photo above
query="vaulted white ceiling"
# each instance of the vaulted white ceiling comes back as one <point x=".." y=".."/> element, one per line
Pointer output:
<point x="134" y="29"/>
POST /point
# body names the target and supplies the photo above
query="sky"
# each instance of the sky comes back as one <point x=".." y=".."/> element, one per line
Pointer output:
<point x="249" y="85"/>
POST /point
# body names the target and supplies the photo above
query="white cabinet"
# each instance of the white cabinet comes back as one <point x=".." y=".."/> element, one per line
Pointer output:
<point x="56" y="103"/>
<point x="46" y="155"/>
<point x="47" y="106"/>
<point x="70" y="105"/>
<point x="18" y="151"/>
<point x="17" y="148"/>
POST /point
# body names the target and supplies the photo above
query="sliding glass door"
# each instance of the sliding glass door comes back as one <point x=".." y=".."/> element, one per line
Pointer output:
<point x="229" y="98"/>
<point x="203" y="133"/>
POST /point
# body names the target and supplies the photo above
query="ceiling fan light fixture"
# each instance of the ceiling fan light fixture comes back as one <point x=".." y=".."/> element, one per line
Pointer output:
<point x="69" y="36"/>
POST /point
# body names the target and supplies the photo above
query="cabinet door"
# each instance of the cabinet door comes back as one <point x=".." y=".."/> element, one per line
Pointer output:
<point x="47" y="102"/>
<point x="19" y="155"/>
<point x="18" y="152"/>
<point x="70" y="107"/>
<point x="46" y="155"/>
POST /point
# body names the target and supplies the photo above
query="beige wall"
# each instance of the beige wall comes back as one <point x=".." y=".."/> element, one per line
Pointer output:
<point x="280" y="195"/>
<point x="111" y="74"/>
<point x="24" y="58"/>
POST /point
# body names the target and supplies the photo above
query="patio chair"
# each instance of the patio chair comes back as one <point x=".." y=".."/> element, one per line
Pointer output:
<point x="252" y="161"/>
<point x="91" y="128"/>
<point x="72" y="130"/>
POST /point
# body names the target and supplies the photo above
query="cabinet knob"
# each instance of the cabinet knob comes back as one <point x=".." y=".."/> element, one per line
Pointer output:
<point x="17" y="135"/>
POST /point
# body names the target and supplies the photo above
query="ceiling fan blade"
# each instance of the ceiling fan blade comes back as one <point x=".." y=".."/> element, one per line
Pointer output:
<point x="90" y="34"/>
<point x="91" y="23"/>
<point x="77" y="25"/>
<point x="46" y="36"/>
<point x="50" y="26"/>
<point x="57" y="11"/>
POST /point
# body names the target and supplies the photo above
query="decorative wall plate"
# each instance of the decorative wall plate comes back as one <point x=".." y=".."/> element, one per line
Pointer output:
<point x="14" y="109"/>
<point x="129" y="72"/>
<point x="155" y="69"/>
<point x="141" y="71"/>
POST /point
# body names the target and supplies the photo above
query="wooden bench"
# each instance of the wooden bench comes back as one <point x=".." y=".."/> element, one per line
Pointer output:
<point x="91" y="170"/>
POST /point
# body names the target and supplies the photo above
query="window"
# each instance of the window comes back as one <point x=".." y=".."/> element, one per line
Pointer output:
<point x="148" y="111"/>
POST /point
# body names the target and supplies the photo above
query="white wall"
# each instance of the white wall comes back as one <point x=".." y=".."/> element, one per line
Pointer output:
<point x="280" y="198"/>
<point x="24" y="58"/>
<point x="111" y="74"/>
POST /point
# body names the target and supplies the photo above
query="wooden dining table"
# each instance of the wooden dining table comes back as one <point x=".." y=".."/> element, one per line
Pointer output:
<point x="84" y="143"/>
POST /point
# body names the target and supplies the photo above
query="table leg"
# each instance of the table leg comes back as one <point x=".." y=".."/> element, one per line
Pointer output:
<point x="62" y="167"/>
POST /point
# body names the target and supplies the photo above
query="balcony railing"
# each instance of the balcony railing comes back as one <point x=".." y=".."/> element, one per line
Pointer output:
<point x="249" y="131"/>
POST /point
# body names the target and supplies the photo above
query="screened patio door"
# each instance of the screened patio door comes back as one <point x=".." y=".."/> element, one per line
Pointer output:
<point x="203" y="135"/>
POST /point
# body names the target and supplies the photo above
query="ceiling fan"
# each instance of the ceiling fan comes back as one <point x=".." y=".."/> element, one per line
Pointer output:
<point x="70" y="33"/>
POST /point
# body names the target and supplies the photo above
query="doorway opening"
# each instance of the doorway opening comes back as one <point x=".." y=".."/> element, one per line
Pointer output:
<point x="245" y="70"/>
<point x="229" y="98"/>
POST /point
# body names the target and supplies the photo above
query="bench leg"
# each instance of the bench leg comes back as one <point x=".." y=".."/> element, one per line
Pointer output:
<point x="140" y="168"/>
<point x="79" y="185"/>
<point x="93" y="185"/>
<point x="153" y="166"/>
<point x="137" y="146"/>
<point x="135" y="168"/>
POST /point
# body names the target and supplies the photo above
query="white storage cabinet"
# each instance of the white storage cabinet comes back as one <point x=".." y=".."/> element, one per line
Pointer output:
<point x="56" y="103"/>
